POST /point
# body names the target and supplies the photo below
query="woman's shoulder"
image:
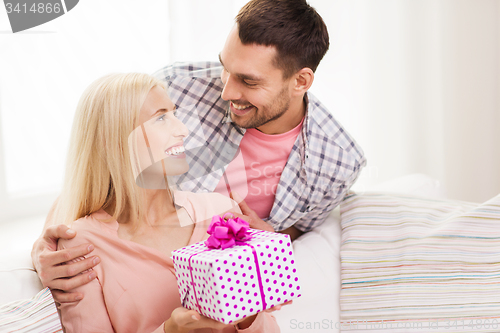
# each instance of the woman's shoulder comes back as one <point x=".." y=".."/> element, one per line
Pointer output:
<point x="97" y="220"/>
<point x="89" y="228"/>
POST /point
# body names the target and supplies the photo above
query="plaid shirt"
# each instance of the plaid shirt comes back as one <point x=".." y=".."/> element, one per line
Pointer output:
<point x="323" y="164"/>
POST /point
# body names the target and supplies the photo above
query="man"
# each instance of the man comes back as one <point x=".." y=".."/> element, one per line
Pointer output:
<point x="290" y="161"/>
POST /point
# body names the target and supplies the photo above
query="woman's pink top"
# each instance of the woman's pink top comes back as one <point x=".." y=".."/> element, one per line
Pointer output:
<point x="136" y="288"/>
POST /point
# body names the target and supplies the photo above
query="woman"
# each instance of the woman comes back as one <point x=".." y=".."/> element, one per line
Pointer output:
<point x="128" y="212"/>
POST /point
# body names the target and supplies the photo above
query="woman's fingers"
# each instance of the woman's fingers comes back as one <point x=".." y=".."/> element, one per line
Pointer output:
<point x="187" y="319"/>
<point x="278" y="307"/>
<point x="184" y="317"/>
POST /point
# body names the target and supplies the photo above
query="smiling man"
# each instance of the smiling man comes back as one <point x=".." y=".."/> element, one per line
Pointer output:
<point x="294" y="162"/>
<point x="258" y="94"/>
<point x="256" y="133"/>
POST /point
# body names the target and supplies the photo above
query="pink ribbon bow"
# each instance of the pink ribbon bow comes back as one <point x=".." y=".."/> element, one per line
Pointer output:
<point x="224" y="234"/>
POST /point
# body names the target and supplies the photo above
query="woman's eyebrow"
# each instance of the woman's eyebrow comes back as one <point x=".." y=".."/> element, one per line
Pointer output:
<point x="161" y="111"/>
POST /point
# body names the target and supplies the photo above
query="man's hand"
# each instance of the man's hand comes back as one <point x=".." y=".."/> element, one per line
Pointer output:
<point x="53" y="268"/>
<point x="255" y="222"/>
<point x="250" y="215"/>
<point x="293" y="232"/>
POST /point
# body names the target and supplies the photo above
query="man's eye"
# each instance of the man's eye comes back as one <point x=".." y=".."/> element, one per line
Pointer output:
<point x="250" y="84"/>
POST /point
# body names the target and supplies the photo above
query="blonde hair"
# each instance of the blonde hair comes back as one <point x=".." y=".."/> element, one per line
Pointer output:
<point x="98" y="170"/>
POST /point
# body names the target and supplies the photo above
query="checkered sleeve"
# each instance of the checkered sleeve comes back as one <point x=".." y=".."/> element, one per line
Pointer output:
<point x="318" y="176"/>
<point x="331" y="199"/>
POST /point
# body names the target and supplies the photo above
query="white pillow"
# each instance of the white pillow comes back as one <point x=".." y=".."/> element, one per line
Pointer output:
<point x="415" y="264"/>
<point x="38" y="314"/>
<point x="317" y="257"/>
<point x="18" y="279"/>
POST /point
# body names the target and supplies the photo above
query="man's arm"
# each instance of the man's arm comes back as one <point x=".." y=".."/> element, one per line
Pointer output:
<point x="51" y="266"/>
<point x="293" y="232"/>
<point x="255" y="222"/>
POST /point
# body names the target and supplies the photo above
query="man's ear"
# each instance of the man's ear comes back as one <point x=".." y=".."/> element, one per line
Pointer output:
<point x="302" y="80"/>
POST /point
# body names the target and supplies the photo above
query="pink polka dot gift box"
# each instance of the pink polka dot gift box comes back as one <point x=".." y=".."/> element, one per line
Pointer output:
<point x="237" y="272"/>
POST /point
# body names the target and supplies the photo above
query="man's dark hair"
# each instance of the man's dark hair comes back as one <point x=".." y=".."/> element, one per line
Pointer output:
<point x="292" y="26"/>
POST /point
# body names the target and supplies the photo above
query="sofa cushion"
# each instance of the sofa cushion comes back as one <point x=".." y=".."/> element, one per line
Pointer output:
<point x="18" y="279"/>
<point x="38" y="314"/>
<point x="317" y="257"/>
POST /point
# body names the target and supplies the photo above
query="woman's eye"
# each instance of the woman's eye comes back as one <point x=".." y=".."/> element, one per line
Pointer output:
<point x="160" y="118"/>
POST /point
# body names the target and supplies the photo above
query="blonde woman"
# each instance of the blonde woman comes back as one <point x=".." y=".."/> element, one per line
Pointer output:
<point x="134" y="227"/>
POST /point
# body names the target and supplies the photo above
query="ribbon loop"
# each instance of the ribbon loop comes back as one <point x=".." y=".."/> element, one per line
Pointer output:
<point x="225" y="234"/>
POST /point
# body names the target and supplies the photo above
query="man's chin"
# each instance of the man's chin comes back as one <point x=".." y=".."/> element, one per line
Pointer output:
<point x="242" y="124"/>
<point x="242" y="121"/>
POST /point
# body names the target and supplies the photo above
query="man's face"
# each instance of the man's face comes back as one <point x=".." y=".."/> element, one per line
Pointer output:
<point x="258" y="95"/>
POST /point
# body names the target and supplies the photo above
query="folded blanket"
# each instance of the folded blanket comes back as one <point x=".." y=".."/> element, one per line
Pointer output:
<point x="413" y="264"/>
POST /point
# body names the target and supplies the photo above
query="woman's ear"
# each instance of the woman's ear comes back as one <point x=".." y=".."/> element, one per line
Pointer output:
<point x="303" y="80"/>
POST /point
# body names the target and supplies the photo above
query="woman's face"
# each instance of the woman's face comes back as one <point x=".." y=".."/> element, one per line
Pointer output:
<point x="158" y="139"/>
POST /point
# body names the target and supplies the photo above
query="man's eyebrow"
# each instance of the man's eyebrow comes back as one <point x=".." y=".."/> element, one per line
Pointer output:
<point x="248" y="77"/>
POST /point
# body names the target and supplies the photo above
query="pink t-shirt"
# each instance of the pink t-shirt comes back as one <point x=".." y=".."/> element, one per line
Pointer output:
<point x="136" y="289"/>
<point x="256" y="170"/>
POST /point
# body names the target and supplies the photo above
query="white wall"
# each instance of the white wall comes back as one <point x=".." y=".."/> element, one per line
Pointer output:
<point x="416" y="82"/>
<point x="43" y="72"/>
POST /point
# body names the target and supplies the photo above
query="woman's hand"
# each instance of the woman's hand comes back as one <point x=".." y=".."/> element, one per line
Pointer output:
<point x="184" y="320"/>
<point x="247" y="322"/>
<point x="278" y="307"/>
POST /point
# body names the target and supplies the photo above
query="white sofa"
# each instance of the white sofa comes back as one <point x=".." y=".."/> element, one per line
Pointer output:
<point x="317" y="256"/>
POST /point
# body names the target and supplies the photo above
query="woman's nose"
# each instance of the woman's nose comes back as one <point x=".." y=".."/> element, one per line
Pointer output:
<point x="181" y="129"/>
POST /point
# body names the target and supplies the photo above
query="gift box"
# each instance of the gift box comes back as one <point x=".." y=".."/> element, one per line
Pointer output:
<point x="237" y="272"/>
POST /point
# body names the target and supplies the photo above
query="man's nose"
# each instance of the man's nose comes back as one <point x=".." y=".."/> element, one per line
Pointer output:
<point x="231" y="88"/>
